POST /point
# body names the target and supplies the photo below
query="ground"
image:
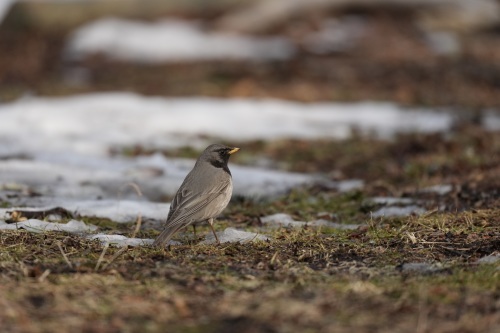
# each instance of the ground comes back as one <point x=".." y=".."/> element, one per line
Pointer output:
<point x="306" y="279"/>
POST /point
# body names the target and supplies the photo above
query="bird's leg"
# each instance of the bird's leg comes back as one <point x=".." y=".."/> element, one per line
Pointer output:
<point x="211" y="222"/>
<point x="194" y="231"/>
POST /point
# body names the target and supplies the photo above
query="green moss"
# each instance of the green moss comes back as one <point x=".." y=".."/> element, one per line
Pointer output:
<point x="5" y="204"/>
<point x="105" y="224"/>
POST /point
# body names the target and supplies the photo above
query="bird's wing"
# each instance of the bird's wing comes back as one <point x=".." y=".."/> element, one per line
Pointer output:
<point x="187" y="204"/>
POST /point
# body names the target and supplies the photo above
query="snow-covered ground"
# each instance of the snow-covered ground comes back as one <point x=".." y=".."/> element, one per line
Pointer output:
<point x="94" y="123"/>
<point x="54" y="152"/>
<point x="78" y="177"/>
<point x="58" y="148"/>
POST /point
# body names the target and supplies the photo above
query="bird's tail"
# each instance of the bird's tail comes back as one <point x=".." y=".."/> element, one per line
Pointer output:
<point x="165" y="236"/>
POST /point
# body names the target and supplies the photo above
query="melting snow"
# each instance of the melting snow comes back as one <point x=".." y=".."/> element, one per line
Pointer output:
<point x="394" y="207"/>
<point x="120" y="211"/>
<point x="281" y="219"/>
<point x="392" y="211"/>
<point x="491" y="121"/>
<point x="73" y="176"/>
<point x="120" y="240"/>
<point x="390" y="200"/>
<point x="94" y="123"/>
<point x="491" y="259"/>
<point x="232" y="235"/>
<point x="438" y="189"/>
<point x="39" y="226"/>
<point x="171" y="41"/>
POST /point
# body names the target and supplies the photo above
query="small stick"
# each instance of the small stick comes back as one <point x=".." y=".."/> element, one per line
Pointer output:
<point x="44" y="275"/>
<point x="137" y="226"/>
<point x="101" y="257"/>
<point x="117" y="254"/>
<point x="134" y="186"/>
<point x="64" y="255"/>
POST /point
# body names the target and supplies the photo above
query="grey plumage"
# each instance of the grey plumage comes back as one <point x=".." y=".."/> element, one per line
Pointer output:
<point x="203" y="195"/>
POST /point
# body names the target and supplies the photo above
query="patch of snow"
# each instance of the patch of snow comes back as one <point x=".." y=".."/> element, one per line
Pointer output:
<point x="120" y="211"/>
<point x="74" y="176"/>
<point x="120" y="240"/>
<point x="491" y="121"/>
<point x="5" y="6"/>
<point x="171" y="40"/>
<point x="285" y="220"/>
<point x="335" y="35"/>
<point x="390" y="201"/>
<point x="438" y="189"/>
<point x="349" y="185"/>
<point x="393" y="211"/>
<point x="343" y="185"/>
<point x="232" y="235"/>
<point x="491" y="259"/>
<point x="39" y="226"/>
<point x="444" y="42"/>
<point x="282" y="219"/>
<point x="420" y="268"/>
<point x="96" y="123"/>
<point x="334" y="225"/>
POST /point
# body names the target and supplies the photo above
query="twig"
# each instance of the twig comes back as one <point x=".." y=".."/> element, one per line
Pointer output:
<point x="44" y="275"/>
<point x="64" y="255"/>
<point x="137" y="226"/>
<point x="139" y="217"/>
<point x="101" y="257"/>
<point x="134" y="186"/>
<point x="117" y="254"/>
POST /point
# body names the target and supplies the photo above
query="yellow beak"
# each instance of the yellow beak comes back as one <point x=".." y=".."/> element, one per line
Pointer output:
<point x="234" y="150"/>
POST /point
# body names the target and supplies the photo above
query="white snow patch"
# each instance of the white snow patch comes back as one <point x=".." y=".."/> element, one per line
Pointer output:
<point x="393" y="211"/>
<point x="94" y="123"/>
<point x="349" y="185"/>
<point x="491" y="121"/>
<point x="171" y="40"/>
<point x="5" y="6"/>
<point x="438" y="189"/>
<point x="390" y="200"/>
<point x="74" y="176"/>
<point x="232" y="235"/>
<point x="120" y="240"/>
<point x="120" y="211"/>
<point x="491" y="259"/>
<point x="336" y="35"/>
<point x="444" y="42"/>
<point x="421" y="268"/>
<point x="285" y="220"/>
<point x="39" y="226"/>
<point x="282" y="219"/>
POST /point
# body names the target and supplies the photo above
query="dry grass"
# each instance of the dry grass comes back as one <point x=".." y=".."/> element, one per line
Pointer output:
<point x="304" y="279"/>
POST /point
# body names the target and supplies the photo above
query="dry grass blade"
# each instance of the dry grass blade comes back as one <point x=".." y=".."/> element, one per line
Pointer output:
<point x="115" y="256"/>
<point x="138" y="224"/>
<point x="44" y="275"/>
<point x="134" y="186"/>
<point x="101" y="257"/>
<point x="64" y="255"/>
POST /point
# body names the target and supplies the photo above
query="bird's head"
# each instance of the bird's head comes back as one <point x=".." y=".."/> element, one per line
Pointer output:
<point x="218" y="155"/>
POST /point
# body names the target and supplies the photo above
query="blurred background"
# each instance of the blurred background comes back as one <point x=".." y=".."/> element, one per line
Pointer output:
<point x="306" y="86"/>
<point x="414" y="52"/>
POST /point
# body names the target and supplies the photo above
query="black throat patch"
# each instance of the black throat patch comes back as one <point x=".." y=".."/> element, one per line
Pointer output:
<point x="220" y="165"/>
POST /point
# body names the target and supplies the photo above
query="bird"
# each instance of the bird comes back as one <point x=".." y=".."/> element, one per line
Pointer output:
<point x="203" y="195"/>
